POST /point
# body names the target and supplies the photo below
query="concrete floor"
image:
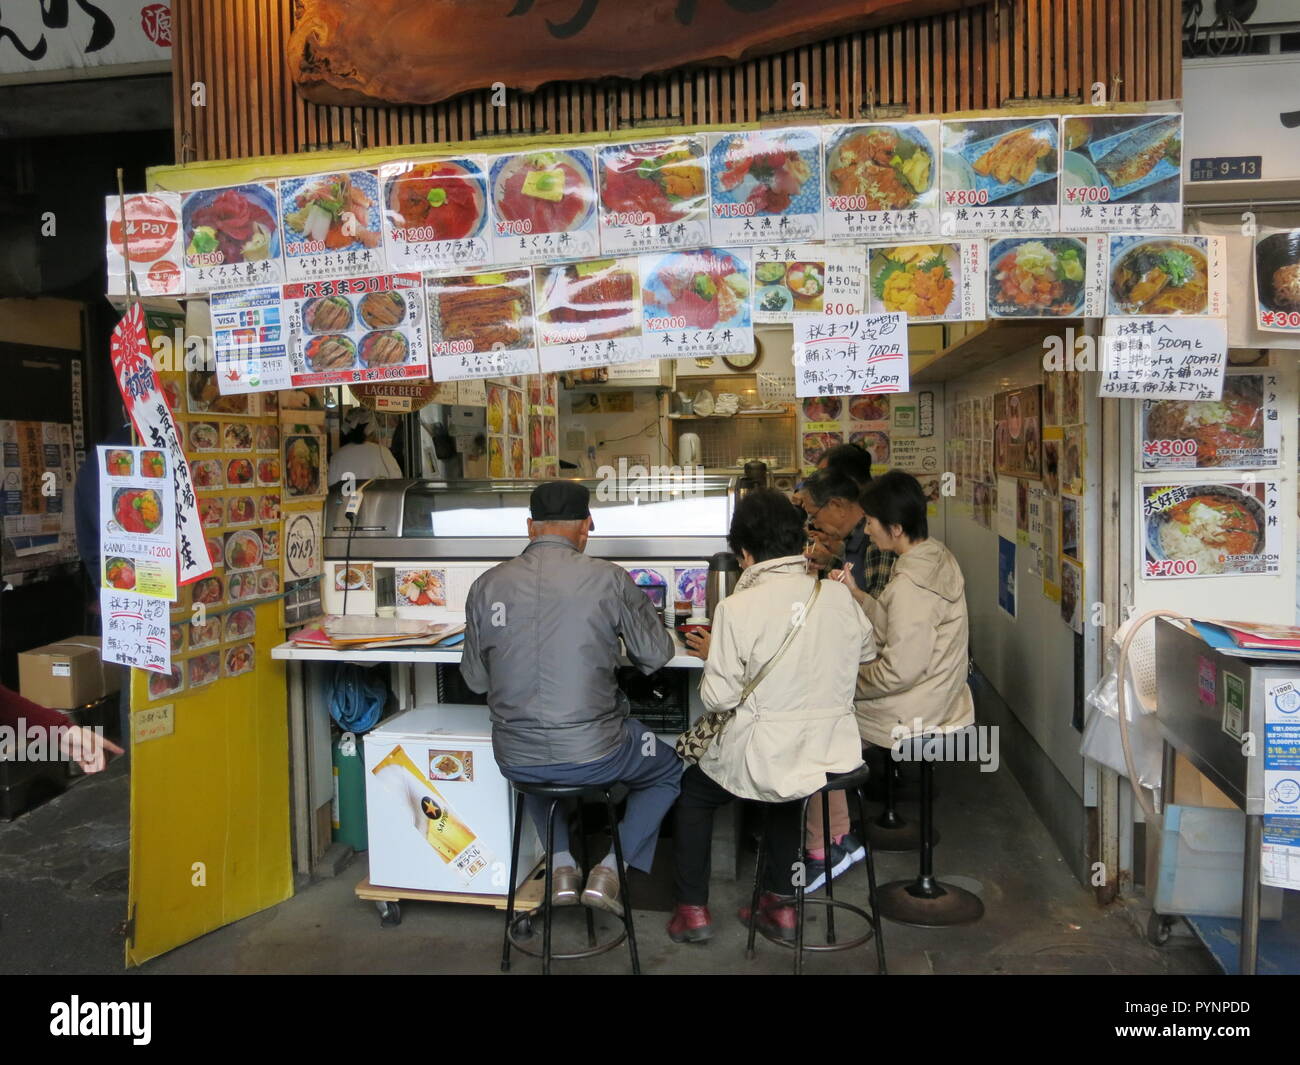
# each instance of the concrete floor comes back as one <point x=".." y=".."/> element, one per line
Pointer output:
<point x="63" y="884"/>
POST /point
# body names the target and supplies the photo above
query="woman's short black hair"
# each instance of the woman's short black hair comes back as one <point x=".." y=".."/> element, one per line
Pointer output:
<point x="767" y="525"/>
<point x="355" y="435"/>
<point x="831" y="483"/>
<point x="897" y="498"/>
<point x="851" y="460"/>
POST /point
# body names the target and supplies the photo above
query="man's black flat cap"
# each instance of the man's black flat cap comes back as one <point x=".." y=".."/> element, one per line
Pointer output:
<point x="560" y="501"/>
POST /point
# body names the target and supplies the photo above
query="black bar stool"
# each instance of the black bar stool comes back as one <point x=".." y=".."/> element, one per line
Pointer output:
<point x="556" y="793"/>
<point x="852" y="781"/>
<point x="890" y="832"/>
<point x="927" y="902"/>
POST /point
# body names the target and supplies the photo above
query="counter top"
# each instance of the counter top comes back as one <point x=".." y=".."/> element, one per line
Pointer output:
<point x="289" y="651"/>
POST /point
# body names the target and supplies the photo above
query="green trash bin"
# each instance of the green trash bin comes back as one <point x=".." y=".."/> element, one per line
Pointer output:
<point x="348" y="810"/>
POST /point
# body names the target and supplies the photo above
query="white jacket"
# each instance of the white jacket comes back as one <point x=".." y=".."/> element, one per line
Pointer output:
<point x="798" y="724"/>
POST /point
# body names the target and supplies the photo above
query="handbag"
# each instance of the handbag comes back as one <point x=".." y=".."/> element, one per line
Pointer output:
<point x="696" y="740"/>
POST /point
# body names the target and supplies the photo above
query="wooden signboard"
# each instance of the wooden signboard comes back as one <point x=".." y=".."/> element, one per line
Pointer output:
<point x="422" y="51"/>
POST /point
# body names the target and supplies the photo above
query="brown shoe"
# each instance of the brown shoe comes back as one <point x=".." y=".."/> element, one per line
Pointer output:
<point x="566" y="882"/>
<point x="602" y="890"/>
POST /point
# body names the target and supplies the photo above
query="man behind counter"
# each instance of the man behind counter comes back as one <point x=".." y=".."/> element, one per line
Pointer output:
<point x="542" y="639"/>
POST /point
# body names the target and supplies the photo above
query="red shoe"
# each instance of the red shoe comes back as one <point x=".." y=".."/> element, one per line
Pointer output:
<point x="776" y="917"/>
<point x="690" y="924"/>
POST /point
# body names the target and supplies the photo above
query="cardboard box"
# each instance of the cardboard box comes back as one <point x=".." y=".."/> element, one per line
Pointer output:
<point x="66" y="674"/>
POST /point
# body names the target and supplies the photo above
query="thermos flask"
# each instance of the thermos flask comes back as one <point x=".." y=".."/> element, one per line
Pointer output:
<point x="724" y="571"/>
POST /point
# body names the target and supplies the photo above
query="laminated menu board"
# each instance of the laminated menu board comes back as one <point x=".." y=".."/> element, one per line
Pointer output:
<point x="765" y="186"/>
<point x="1210" y="530"/>
<point x="543" y="206"/>
<point x="1000" y="175"/>
<point x="697" y="303"/>
<point x="357" y="329"/>
<point x="1176" y="274"/>
<point x="231" y="236"/>
<point x="481" y="325"/>
<point x="331" y="225"/>
<point x="882" y="181"/>
<point x="928" y="282"/>
<point x="137" y="521"/>
<point x="1122" y="172"/>
<point x="151" y="235"/>
<point x="1046" y="277"/>
<point x="795" y="279"/>
<point x="1277" y="280"/>
<point x="863" y="354"/>
<point x="588" y="313"/>
<point x="436" y="214"/>
<point x="654" y="195"/>
<point x="1242" y="430"/>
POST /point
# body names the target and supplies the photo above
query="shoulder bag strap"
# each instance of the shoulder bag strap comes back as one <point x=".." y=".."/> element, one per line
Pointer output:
<point x="789" y="638"/>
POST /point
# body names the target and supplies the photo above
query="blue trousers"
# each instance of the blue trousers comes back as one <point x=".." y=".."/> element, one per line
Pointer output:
<point x="646" y="766"/>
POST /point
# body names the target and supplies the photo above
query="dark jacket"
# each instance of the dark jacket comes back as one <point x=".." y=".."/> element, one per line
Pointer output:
<point x="542" y="639"/>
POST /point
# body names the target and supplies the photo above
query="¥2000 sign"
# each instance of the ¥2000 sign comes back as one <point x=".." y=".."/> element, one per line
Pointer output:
<point x="423" y="51"/>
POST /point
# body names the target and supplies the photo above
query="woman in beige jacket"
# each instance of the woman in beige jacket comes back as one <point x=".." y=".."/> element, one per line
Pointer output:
<point x="918" y="683"/>
<point x="796" y="725"/>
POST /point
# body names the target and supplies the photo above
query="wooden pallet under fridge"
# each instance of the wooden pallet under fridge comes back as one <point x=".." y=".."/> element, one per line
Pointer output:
<point x="528" y="897"/>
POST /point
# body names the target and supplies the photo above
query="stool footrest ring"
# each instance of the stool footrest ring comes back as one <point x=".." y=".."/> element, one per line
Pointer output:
<point x="823" y="948"/>
<point x="590" y="952"/>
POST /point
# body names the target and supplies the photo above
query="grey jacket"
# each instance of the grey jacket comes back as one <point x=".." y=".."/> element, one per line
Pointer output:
<point x="541" y="638"/>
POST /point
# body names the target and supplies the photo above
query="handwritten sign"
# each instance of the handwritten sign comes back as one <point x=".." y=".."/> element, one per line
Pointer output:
<point x="1169" y="358"/>
<point x="137" y="630"/>
<point x="133" y="367"/>
<point x="850" y="356"/>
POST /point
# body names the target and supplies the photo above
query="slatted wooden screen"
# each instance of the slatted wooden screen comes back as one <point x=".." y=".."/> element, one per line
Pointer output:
<point x="971" y="59"/>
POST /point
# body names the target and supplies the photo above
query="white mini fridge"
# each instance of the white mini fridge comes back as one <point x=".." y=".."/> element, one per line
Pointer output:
<point x="438" y="810"/>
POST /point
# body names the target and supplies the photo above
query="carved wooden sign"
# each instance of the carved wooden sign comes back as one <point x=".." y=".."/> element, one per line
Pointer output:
<point x="423" y="51"/>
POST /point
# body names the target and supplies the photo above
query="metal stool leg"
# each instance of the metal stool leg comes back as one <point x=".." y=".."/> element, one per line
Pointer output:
<point x="870" y="862"/>
<point x="760" y="864"/>
<point x="622" y="884"/>
<point x="826" y="851"/>
<point x="799" y="885"/>
<point x="582" y="856"/>
<point x="925" y="901"/>
<point x="546" y="899"/>
<point x="514" y="873"/>
<point x="889" y="831"/>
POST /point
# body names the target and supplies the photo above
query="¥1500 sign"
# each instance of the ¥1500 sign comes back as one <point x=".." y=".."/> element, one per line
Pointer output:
<point x="423" y="51"/>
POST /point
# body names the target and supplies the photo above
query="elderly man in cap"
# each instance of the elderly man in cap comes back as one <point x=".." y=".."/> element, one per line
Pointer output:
<point x="542" y="639"/>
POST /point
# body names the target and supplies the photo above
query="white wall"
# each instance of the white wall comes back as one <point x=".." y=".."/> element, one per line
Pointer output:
<point x="1029" y="660"/>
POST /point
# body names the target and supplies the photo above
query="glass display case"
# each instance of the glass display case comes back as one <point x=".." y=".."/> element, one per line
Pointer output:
<point x="641" y="518"/>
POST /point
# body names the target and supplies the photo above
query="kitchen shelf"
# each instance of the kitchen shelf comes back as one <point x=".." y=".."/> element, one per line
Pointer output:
<point x="996" y="340"/>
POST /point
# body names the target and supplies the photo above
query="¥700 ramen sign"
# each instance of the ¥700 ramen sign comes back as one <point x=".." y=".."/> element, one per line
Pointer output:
<point x="423" y="51"/>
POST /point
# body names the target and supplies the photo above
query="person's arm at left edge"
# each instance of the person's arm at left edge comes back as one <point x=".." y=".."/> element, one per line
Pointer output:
<point x="472" y="667"/>
<point x="649" y="647"/>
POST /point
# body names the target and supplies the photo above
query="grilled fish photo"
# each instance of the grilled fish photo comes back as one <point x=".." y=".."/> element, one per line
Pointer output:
<point x="331" y="353"/>
<point x="380" y="310"/>
<point x="1014" y="157"/>
<point x="1138" y="154"/>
